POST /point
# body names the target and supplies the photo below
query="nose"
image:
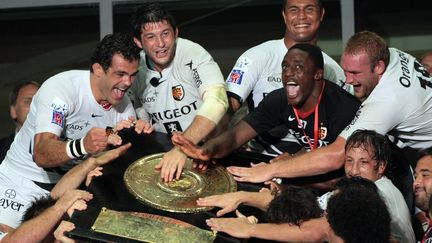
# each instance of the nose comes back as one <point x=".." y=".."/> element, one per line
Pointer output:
<point x="128" y="80"/>
<point x="417" y="182"/>
<point x="349" y="79"/>
<point x="354" y="171"/>
<point x="160" y="41"/>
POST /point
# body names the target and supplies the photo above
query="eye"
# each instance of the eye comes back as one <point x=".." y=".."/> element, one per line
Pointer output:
<point x="284" y="67"/>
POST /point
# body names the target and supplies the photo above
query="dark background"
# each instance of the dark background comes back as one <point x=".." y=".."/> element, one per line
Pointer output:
<point x="37" y="43"/>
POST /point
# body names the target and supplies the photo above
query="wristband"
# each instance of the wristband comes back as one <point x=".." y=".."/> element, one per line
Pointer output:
<point x="75" y="149"/>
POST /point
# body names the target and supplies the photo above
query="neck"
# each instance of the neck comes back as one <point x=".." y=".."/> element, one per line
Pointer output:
<point x="313" y="99"/>
<point x="290" y="42"/>
<point x="95" y="89"/>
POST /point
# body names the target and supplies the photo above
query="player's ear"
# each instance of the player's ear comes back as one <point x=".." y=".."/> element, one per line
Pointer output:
<point x="380" y="67"/>
<point x="319" y="73"/>
<point x="97" y="69"/>
<point x="137" y="42"/>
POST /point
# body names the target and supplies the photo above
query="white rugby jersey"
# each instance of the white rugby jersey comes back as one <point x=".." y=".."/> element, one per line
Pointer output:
<point x="66" y="107"/>
<point x="400" y="104"/>
<point x="171" y="98"/>
<point x="258" y="71"/>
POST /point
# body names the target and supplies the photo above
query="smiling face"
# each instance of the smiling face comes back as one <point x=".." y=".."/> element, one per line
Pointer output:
<point x="358" y="72"/>
<point x="360" y="162"/>
<point x="302" y="19"/>
<point x="299" y="76"/>
<point x="112" y="85"/>
<point x="423" y="182"/>
<point x="158" y="40"/>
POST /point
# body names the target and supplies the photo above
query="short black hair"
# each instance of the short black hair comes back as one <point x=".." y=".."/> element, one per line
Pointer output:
<point x="119" y="43"/>
<point x="313" y="51"/>
<point x="37" y="207"/>
<point x="13" y="96"/>
<point x="358" y="215"/>
<point x="150" y="13"/>
<point x="293" y="205"/>
<point x="319" y="2"/>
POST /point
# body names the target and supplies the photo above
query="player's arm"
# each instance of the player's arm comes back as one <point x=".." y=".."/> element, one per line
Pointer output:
<point x="316" y="162"/>
<point x="215" y="105"/>
<point x="50" y="151"/>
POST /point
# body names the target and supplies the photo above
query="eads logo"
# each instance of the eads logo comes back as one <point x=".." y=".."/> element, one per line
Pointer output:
<point x="8" y="202"/>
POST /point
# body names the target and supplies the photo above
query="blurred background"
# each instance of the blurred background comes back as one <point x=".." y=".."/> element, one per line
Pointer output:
<point x="39" y="41"/>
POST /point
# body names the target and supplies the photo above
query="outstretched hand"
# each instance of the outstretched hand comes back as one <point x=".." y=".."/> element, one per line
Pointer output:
<point x="189" y="148"/>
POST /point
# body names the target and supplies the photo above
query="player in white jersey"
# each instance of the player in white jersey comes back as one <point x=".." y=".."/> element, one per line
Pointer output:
<point x="179" y="84"/>
<point x="67" y="122"/>
<point x="395" y="91"/>
<point x="257" y="72"/>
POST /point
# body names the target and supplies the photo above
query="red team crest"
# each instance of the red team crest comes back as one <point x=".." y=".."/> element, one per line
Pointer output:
<point x="322" y="133"/>
<point x="58" y="118"/>
<point x="178" y="92"/>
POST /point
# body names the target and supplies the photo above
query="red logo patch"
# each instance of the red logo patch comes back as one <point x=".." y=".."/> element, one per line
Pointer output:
<point x="178" y="92"/>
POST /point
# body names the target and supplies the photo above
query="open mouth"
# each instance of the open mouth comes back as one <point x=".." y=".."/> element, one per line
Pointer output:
<point x="293" y="89"/>
<point x="119" y="93"/>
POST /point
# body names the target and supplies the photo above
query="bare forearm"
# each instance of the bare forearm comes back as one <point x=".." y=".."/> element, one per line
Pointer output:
<point x="259" y="200"/>
<point x="230" y="140"/>
<point x="73" y="178"/>
<point x="50" y="153"/>
<point x="310" y="231"/>
<point x="316" y="162"/>
<point x="36" y="229"/>
<point x="199" y="129"/>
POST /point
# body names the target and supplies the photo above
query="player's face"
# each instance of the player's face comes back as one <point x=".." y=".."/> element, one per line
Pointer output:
<point x="427" y="63"/>
<point x="359" y="162"/>
<point x="302" y="19"/>
<point x="22" y="107"/>
<point x="158" y="40"/>
<point x="298" y="72"/>
<point x="423" y="182"/>
<point x="359" y="74"/>
<point x="117" y="79"/>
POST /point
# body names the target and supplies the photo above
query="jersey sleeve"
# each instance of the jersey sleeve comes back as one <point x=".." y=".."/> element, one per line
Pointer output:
<point x="268" y="113"/>
<point x="244" y="75"/>
<point x="204" y="71"/>
<point x="52" y="105"/>
<point x="380" y="114"/>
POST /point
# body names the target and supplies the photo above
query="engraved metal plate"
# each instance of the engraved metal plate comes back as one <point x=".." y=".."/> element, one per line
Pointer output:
<point x="149" y="227"/>
<point x="144" y="182"/>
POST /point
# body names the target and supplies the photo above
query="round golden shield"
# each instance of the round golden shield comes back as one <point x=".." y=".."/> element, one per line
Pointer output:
<point x="144" y="182"/>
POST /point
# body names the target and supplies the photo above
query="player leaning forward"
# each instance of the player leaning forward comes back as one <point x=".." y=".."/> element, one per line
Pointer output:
<point x="179" y="85"/>
<point x="67" y="121"/>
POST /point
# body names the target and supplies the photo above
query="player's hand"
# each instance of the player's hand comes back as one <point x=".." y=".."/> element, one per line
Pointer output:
<point x="171" y="165"/>
<point x="125" y="124"/>
<point x="189" y="148"/>
<point x="65" y="226"/>
<point x="92" y="174"/>
<point x="110" y="155"/>
<point x="142" y="126"/>
<point x="239" y="227"/>
<point x="96" y="140"/>
<point x="228" y="202"/>
<point x="69" y="198"/>
<point x="255" y="174"/>
<point x="79" y="205"/>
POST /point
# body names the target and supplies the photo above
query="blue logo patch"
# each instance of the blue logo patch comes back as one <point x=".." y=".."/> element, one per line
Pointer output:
<point x="236" y="76"/>
<point x="58" y="118"/>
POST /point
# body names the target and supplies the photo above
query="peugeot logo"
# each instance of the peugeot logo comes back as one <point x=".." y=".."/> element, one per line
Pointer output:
<point x="10" y="193"/>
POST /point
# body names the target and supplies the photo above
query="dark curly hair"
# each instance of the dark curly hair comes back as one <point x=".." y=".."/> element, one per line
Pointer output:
<point x="293" y="205"/>
<point x="150" y="13"/>
<point x="359" y="215"/>
<point x="112" y="44"/>
<point x="37" y="207"/>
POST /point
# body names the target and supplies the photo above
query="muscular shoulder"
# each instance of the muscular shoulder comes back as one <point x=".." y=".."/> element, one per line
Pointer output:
<point x="266" y="50"/>
<point x="187" y="49"/>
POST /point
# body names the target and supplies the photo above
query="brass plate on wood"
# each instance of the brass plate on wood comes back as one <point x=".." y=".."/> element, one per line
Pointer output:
<point x="149" y="227"/>
<point x="144" y="182"/>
